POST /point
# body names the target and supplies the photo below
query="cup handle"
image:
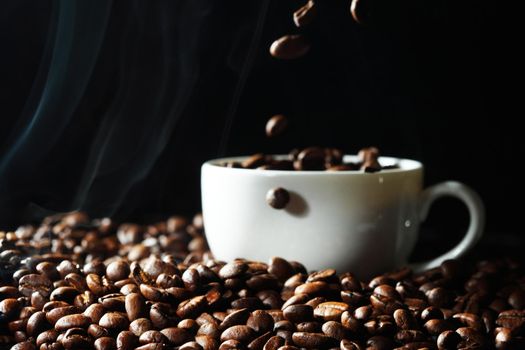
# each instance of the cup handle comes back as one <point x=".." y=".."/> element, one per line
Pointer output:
<point x="477" y="218"/>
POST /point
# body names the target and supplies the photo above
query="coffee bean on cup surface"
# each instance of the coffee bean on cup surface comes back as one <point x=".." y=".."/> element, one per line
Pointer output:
<point x="276" y="125"/>
<point x="277" y="198"/>
<point x="306" y="14"/>
<point x="290" y="47"/>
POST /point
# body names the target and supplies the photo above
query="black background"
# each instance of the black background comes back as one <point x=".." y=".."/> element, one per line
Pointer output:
<point x="412" y="83"/>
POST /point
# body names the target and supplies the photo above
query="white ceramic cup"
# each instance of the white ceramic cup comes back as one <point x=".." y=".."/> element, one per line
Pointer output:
<point x="365" y="223"/>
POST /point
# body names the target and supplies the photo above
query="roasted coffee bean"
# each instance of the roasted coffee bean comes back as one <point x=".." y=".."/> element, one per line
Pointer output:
<point x="73" y="321"/>
<point x="440" y="297"/>
<point x="240" y="333"/>
<point x="37" y="323"/>
<point x="431" y="313"/>
<point x="176" y="336"/>
<point x="152" y="346"/>
<point x="312" y="340"/>
<point x="276" y="125"/>
<point x="517" y="299"/>
<point x="512" y="319"/>
<point x="9" y="307"/>
<point x="379" y="342"/>
<point x="140" y="325"/>
<point x="298" y="313"/>
<point x="258" y="343"/>
<point x="349" y="345"/>
<point x="472" y="338"/>
<point x="96" y="331"/>
<point x="232" y="270"/>
<point x="260" y="321"/>
<point x="312" y="288"/>
<point x="281" y="268"/>
<point x="404" y="319"/>
<point x="114" y="320"/>
<point x="231" y="345"/>
<point x="207" y="343"/>
<point x="407" y="336"/>
<point x="49" y="336"/>
<point x="306" y="14"/>
<point x="436" y="326"/>
<point x="254" y="161"/>
<point x="448" y="340"/>
<point x="277" y="198"/>
<point x="94" y="312"/>
<point x="64" y="294"/>
<point x="330" y="310"/>
<point x="126" y="340"/>
<point x="152" y="336"/>
<point x="191" y="307"/>
<point x="290" y="47"/>
<point x="105" y="343"/>
<point x="273" y="343"/>
<point x="238" y="317"/>
<point x="25" y="345"/>
<point x="312" y="158"/>
<point x="75" y="338"/>
<point x="335" y="330"/>
<point x="284" y="325"/>
<point x="34" y="283"/>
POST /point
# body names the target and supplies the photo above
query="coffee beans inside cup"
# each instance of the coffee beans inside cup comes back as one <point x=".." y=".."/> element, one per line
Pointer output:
<point x="315" y="158"/>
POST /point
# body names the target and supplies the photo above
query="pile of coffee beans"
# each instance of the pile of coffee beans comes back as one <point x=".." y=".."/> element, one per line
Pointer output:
<point x="315" y="158"/>
<point x="73" y="283"/>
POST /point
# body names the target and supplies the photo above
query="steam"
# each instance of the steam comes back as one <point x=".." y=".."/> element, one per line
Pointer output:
<point x="118" y="87"/>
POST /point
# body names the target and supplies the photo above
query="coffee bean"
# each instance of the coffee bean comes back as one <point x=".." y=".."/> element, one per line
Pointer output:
<point x="238" y="317"/>
<point x="436" y="327"/>
<point x="404" y="319"/>
<point x="259" y="342"/>
<point x="152" y="346"/>
<point x="152" y="336"/>
<point x="298" y="313"/>
<point x="232" y="270"/>
<point x="448" y="340"/>
<point x="105" y="343"/>
<point x="312" y="340"/>
<point x="114" y="320"/>
<point x="260" y="321"/>
<point x="254" y="161"/>
<point x="94" y="312"/>
<point x="331" y="310"/>
<point x="277" y="198"/>
<point x="34" y="283"/>
<point x="276" y="125"/>
<point x="273" y="343"/>
<point x="9" y="307"/>
<point x="471" y="337"/>
<point x="140" y="325"/>
<point x="349" y="345"/>
<point x="72" y="321"/>
<point x="231" y="345"/>
<point x="37" y="323"/>
<point x="290" y="47"/>
<point x="440" y="297"/>
<point x="176" y="336"/>
<point x="207" y="343"/>
<point x="191" y="307"/>
<point x="126" y="340"/>
<point x="335" y="330"/>
<point x="281" y="268"/>
<point x="49" y="336"/>
<point x="240" y="333"/>
<point x="512" y="319"/>
<point x="305" y="15"/>
<point x="379" y="342"/>
<point x="431" y="313"/>
<point x="517" y="299"/>
<point x="312" y="158"/>
<point x="312" y="288"/>
<point x="96" y="331"/>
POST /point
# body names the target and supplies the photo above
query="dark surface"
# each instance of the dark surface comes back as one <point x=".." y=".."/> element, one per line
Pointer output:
<point x="169" y="77"/>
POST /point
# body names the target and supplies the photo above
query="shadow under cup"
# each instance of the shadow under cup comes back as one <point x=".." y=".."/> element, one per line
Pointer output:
<point x="366" y="223"/>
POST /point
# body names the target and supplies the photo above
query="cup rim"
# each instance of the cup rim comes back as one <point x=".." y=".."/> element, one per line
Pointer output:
<point x="405" y="165"/>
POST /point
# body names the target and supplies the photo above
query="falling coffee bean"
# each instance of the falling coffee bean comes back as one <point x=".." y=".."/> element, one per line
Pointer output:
<point x="276" y="125"/>
<point x="290" y="47"/>
<point x="277" y="198"/>
<point x="305" y="15"/>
